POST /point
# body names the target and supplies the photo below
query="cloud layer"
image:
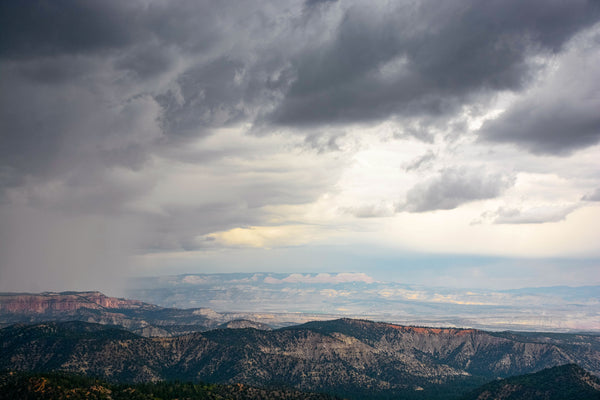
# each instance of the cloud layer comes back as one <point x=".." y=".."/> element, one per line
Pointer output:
<point x="180" y="125"/>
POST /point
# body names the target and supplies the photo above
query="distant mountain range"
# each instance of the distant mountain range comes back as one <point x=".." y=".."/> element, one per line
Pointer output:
<point x="357" y="295"/>
<point x="350" y="358"/>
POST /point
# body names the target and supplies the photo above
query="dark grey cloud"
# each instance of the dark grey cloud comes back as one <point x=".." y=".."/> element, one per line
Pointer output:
<point x="425" y="58"/>
<point x="146" y="61"/>
<point x="207" y="65"/>
<point x="557" y="128"/>
<point x="62" y="105"/>
<point x="100" y="84"/>
<point x="74" y="72"/>
<point x="560" y="115"/>
<point x="454" y="187"/>
<point x="41" y="28"/>
<point x="314" y="3"/>
<point x="209" y="97"/>
<point x="218" y="93"/>
<point x="36" y="28"/>
<point x="51" y="128"/>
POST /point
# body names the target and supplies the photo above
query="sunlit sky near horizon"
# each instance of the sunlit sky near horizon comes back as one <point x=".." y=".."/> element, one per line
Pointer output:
<point x="448" y="143"/>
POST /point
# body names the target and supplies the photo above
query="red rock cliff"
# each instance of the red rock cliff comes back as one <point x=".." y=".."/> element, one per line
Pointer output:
<point x="69" y="301"/>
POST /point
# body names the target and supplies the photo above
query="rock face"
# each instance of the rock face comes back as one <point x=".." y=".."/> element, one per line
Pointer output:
<point x="65" y="301"/>
<point x="564" y="382"/>
<point x="139" y="317"/>
<point x="350" y="358"/>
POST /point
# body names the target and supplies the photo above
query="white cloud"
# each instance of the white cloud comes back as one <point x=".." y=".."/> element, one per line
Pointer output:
<point x="536" y="215"/>
<point x="343" y="277"/>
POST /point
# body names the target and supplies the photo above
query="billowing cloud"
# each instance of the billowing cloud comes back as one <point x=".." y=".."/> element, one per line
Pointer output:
<point x="140" y="82"/>
<point x="423" y="58"/>
<point x="454" y="187"/>
<point x="137" y="81"/>
<point x="561" y="114"/>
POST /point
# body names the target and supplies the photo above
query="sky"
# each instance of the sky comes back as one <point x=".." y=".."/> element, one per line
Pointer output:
<point x="451" y="143"/>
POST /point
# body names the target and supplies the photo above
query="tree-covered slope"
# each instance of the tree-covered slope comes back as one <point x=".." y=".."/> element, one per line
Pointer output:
<point x="558" y="383"/>
<point x="62" y="386"/>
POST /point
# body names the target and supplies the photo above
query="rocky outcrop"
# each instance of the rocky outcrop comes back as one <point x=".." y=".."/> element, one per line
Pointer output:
<point x="42" y="303"/>
<point x="65" y="301"/>
<point x="143" y="318"/>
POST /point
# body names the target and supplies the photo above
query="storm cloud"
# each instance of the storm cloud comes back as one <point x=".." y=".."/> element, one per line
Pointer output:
<point x="143" y="75"/>
<point x="169" y="122"/>
<point x="560" y="115"/>
<point x="425" y="58"/>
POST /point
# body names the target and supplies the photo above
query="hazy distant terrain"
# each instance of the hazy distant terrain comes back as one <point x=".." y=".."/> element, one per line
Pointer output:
<point x="358" y="295"/>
